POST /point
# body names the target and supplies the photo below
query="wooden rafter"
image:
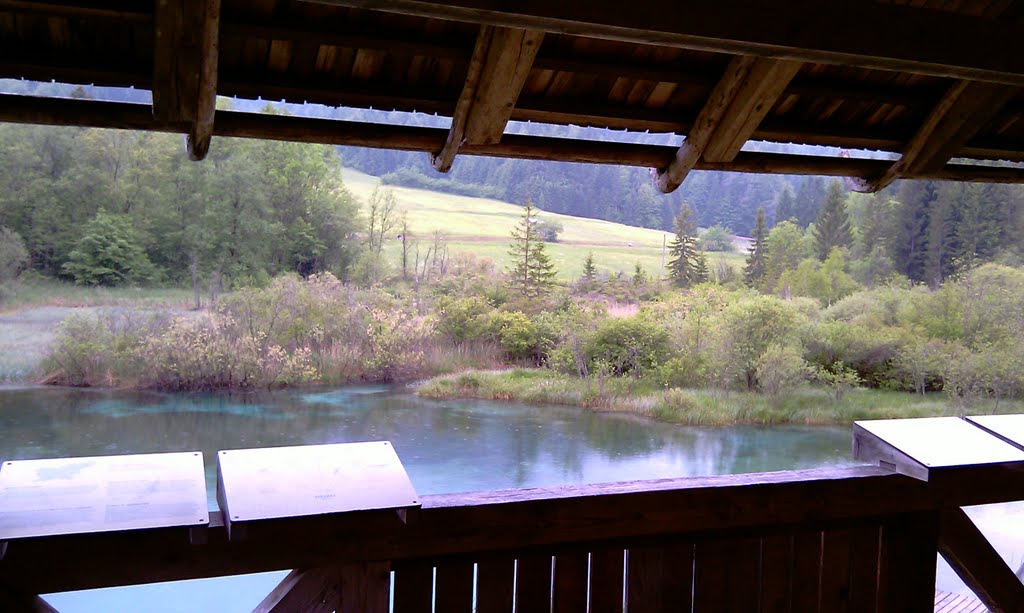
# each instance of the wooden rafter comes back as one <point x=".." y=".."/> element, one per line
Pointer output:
<point x="736" y="106"/>
<point x="956" y="45"/>
<point x="126" y="116"/>
<point x="498" y="68"/>
<point x="962" y="111"/>
<point x="185" y="58"/>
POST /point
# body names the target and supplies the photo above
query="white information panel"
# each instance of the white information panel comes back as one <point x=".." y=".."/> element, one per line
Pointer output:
<point x="101" y="494"/>
<point x="256" y="484"/>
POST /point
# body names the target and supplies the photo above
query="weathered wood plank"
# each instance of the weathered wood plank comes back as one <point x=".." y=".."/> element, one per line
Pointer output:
<point x="315" y="590"/>
<point x="957" y="45"/>
<point x="533" y="582"/>
<point x="569" y="593"/>
<point x="201" y="132"/>
<point x="660" y="577"/>
<point x="958" y="115"/>
<point x="607" y="572"/>
<point x="907" y="562"/>
<point x="776" y="567"/>
<point x="835" y="572"/>
<point x="464" y="524"/>
<point x="414" y="587"/>
<point x="864" y="550"/>
<point x="495" y="581"/>
<point x="93" y="113"/>
<point x="973" y="558"/>
<point x="720" y="568"/>
<point x="497" y="71"/>
<point x="454" y="586"/>
<point x="365" y="587"/>
<point x="805" y="577"/>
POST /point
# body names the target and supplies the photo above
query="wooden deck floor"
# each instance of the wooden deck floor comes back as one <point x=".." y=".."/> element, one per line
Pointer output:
<point x="948" y="602"/>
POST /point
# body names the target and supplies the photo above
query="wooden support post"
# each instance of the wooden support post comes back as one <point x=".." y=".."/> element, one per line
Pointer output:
<point x="498" y="68"/>
<point x="962" y="111"/>
<point x="978" y="564"/>
<point x="349" y="588"/>
<point x="12" y="601"/>
<point x="185" y="56"/>
<point x="737" y="104"/>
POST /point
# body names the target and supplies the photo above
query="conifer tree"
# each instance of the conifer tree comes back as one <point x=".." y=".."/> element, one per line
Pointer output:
<point x="639" y="276"/>
<point x="532" y="272"/>
<point x="683" y="265"/>
<point x="589" y="269"/>
<point x="832" y="228"/>
<point x="785" y="205"/>
<point x="701" y="272"/>
<point x="756" y="264"/>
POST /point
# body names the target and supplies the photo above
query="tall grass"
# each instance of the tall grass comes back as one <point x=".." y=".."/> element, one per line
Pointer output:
<point x="697" y="407"/>
<point x="37" y="291"/>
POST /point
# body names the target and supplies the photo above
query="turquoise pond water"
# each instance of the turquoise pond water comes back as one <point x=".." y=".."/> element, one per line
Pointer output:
<point x="446" y="446"/>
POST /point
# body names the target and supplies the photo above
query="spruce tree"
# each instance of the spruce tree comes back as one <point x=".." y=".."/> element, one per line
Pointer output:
<point x="532" y="272"/>
<point x="785" y="205"/>
<point x="832" y="228"/>
<point x="701" y="272"/>
<point x="639" y="276"/>
<point x="683" y="265"/>
<point x="589" y="269"/>
<point x="756" y="264"/>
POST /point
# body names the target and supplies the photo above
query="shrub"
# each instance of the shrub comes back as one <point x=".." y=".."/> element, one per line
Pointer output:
<point x="108" y="253"/>
<point x="463" y="319"/>
<point x="780" y="369"/>
<point x="520" y="336"/>
<point x="629" y="345"/>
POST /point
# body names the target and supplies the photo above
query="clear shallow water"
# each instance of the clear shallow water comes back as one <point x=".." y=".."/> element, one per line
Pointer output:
<point x="446" y="446"/>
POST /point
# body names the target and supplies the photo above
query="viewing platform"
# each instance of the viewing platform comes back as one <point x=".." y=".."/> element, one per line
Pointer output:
<point x="349" y="522"/>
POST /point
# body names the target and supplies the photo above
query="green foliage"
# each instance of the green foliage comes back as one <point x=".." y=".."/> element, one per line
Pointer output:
<point x="756" y="266"/>
<point x="550" y="229"/>
<point x="464" y="319"/>
<point x="832" y="227"/>
<point x="108" y="254"/>
<point x="750" y="327"/>
<point x="780" y="369"/>
<point x="632" y="345"/>
<point x="521" y="336"/>
<point x="684" y="267"/>
<point x="839" y="378"/>
<point x="784" y="251"/>
<point x="826" y="282"/>
<point x="589" y="269"/>
<point x="716" y="238"/>
<point x="532" y="273"/>
<point x="13" y="255"/>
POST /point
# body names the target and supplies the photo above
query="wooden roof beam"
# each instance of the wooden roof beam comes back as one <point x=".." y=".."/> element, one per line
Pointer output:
<point x="902" y="38"/>
<point x="501" y="61"/>
<point x="961" y="112"/>
<point x="185" y="56"/>
<point x="737" y="104"/>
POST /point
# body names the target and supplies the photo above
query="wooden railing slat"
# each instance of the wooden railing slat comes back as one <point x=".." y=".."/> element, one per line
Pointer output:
<point x="495" y="578"/>
<point x="659" y="577"/>
<point x="835" y="572"/>
<point x="570" y="583"/>
<point x="365" y="588"/>
<point x="315" y="590"/>
<point x="907" y="562"/>
<point x="607" y="573"/>
<point x="776" y="566"/>
<point x="533" y="583"/>
<point x="414" y="587"/>
<point x="726" y="573"/>
<point x="864" y="544"/>
<point x="454" y="586"/>
<point x="804" y="581"/>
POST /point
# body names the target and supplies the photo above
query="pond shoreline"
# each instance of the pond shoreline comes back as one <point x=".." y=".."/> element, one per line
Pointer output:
<point x="814" y="406"/>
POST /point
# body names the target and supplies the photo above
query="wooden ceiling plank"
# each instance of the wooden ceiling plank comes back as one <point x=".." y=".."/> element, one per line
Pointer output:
<point x="955" y="119"/>
<point x="498" y="68"/>
<point x="956" y="45"/>
<point x="731" y="114"/>
<point x="185" y="57"/>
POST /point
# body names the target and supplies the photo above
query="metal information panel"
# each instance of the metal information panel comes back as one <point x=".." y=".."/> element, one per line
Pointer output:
<point x="101" y="494"/>
<point x="272" y="483"/>
<point x="938" y="442"/>
<point x="1010" y="427"/>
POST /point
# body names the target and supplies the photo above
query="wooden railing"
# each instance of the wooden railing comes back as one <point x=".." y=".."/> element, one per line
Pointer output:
<point x="857" y="539"/>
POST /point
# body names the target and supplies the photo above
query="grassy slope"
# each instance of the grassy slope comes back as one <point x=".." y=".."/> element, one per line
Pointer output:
<point x="488" y="223"/>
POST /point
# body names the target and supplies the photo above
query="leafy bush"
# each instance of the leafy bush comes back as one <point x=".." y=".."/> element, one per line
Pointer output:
<point x="463" y="319"/>
<point x="716" y="238"/>
<point x="520" y="335"/>
<point x="631" y="345"/>
<point x="780" y="369"/>
<point x="108" y="253"/>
